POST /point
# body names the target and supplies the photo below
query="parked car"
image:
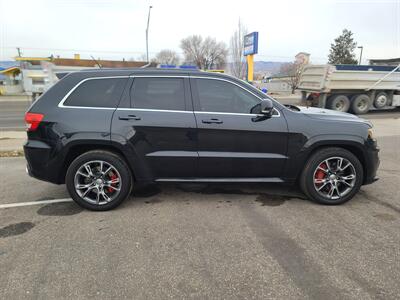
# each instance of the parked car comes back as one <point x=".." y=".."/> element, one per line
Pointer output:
<point x="103" y="131"/>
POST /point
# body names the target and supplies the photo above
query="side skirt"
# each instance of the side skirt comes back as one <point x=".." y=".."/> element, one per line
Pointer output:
<point x="257" y="179"/>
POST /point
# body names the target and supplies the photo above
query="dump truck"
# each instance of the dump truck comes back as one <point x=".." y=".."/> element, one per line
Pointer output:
<point x="351" y="88"/>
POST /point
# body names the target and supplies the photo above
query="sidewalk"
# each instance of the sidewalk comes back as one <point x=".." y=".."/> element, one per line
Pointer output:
<point x="15" y="98"/>
<point x="11" y="143"/>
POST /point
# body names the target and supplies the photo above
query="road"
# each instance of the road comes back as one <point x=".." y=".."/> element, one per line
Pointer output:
<point x="12" y="113"/>
<point x="203" y="241"/>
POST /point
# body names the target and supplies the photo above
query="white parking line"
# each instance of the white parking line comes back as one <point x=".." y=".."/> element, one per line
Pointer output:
<point x="35" y="203"/>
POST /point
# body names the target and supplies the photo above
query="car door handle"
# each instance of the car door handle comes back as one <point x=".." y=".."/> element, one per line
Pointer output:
<point x="130" y="117"/>
<point x="212" y="121"/>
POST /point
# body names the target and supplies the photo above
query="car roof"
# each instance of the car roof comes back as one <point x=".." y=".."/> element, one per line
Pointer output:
<point x="147" y="71"/>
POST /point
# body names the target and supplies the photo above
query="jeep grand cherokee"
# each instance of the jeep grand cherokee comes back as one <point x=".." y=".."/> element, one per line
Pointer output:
<point x="102" y="131"/>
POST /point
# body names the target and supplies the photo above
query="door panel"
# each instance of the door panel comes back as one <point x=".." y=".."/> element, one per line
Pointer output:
<point x="239" y="147"/>
<point x="233" y="144"/>
<point x="164" y="139"/>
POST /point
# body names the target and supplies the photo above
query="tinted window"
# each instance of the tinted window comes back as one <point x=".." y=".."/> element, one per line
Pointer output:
<point x="97" y="93"/>
<point x="222" y="96"/>
<point x="158" y="93"/>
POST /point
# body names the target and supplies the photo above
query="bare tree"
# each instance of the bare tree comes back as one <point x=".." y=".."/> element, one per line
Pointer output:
<point x="292" y="72"/>
<point x="238" y="66"/>
<point x="205" y="53"/>
<point x="168" y="57"/>
<point x="142" y="57"/>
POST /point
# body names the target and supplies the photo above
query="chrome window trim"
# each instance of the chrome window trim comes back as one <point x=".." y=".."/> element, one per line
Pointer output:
<point x="236" y="114"/>
<point x="198" y="77"/>
<point x="230" y="113"/>
<point x="61" y="103"/>
<point x="157" y="110"/>
<point x="226" y="80"/>
<point x="191" y="111"/>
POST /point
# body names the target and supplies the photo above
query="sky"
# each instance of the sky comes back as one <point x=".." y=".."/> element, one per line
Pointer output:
<point x="115" y="29"/>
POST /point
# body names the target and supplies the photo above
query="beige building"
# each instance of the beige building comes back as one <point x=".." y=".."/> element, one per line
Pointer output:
<point x="302" y="58"/>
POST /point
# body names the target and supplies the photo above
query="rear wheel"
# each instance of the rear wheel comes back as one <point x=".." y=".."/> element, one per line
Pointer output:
<point x="360" y="104"/>
<point x="339" y="103"/>
<point x="381" y="100"/>
<point x="332" y="176"/>
<point x="99" y="180"/>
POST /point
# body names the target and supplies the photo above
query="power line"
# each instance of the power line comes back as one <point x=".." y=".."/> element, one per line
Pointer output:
<point x="134" y="52"/>
<point x="259" y="56"/>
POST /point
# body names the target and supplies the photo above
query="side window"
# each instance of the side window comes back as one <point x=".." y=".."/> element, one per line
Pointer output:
<point x="103" y="92"/>
<point x="221" y="96"/>
<point x="158" y="93"/>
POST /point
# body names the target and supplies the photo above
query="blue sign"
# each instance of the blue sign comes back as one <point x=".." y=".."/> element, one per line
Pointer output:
<point x="251" y="43"/>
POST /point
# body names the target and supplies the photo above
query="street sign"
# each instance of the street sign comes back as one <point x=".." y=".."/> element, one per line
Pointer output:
<point x="251" y="43"/>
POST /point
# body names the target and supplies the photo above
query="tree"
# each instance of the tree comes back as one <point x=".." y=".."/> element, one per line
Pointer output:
<point x="167" y="57"/>
<point x="142" y="57"/>
<point x="205" y="53"/>
<point x="238" y="66"/>
<point x="342" y="50"/>
<point x="292" y="72"/>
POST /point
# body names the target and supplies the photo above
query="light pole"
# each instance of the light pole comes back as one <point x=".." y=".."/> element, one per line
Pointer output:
<point x="360" y="47"/>
<point x="147" y="34"/>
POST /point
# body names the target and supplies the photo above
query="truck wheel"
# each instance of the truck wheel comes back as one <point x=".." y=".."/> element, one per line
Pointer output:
<point x="339" y="103"/>
<point x="381" y="100"/>
<point x="331" y="176"/>
<point x="360" y="104"/>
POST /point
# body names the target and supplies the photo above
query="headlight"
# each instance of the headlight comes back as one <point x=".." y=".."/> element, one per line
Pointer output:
<point x="370" y="134"/>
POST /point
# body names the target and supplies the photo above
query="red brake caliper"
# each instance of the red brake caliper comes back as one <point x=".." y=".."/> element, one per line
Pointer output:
<point x="112" y="177"/>
<point x="320" y="174"/>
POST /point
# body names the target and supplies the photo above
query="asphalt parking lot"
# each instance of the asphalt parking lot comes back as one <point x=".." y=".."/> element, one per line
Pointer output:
<point x="203" y="241"/>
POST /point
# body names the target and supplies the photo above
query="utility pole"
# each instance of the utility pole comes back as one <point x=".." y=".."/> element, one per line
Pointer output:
<point x="147" y="34"/>
<point x="19" y="51"/>
<point x="360" y="47"/>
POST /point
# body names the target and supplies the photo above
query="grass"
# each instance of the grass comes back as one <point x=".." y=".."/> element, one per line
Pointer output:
<point x="12" y="153"/>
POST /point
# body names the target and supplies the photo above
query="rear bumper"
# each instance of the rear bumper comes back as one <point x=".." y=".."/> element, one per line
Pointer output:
<point x="371" y="162"/>
<point x="40" y="163"/>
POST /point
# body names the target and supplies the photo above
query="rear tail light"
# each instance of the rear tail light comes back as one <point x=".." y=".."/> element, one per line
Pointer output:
<point x="33" y="120"/>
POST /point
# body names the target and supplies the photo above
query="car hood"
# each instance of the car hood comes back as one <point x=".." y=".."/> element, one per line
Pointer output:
<point x="331" y="115"/>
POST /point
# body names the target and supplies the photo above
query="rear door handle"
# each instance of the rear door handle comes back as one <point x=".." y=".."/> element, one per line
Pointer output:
<point x="130" y="117"/>
<point x="212" y="121"/>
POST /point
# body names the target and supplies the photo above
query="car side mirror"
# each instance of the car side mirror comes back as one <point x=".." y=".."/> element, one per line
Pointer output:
<point x="266" y="107"/>
<point x="263" y="110"/>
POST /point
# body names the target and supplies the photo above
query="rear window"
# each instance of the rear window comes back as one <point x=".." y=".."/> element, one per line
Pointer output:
<point x="158" y="93"/>
<point x="104" y="92"/>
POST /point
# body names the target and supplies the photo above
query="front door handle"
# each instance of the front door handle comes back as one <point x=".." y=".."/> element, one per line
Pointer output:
<point x="130" y="117"/>
<point x="212" y="121"/>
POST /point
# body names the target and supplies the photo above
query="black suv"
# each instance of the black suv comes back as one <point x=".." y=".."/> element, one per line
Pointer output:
<point x="102" y="131"/>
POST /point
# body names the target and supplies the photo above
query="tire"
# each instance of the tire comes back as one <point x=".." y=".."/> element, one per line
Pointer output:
<point x="313" y="178"/>
<point x="339" y="103"/>
<point x="113" y="182"/>
<point x="360" y="104"/>
<point x="381" y="100"/>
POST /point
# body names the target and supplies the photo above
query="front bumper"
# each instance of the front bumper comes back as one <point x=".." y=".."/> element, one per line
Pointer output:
<point x="371" y="161"/>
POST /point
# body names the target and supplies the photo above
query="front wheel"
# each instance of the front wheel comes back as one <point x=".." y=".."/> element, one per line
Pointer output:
<point x="99" y="180"/>
<point x="332" y="176"/>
